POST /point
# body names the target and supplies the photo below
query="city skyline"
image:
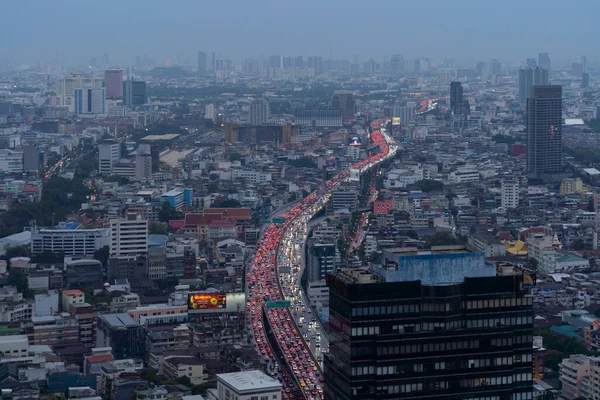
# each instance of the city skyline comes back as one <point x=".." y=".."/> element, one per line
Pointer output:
<point x="178" y="33"/>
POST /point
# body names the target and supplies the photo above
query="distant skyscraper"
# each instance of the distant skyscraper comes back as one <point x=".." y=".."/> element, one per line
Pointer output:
<point x="201" y="62"/>
<point x="397" y="64"/>
<point x="480" y="68"/>
<point x="89" y="101"/>
<point x="576" y="69"/>
<point x="299" y="62"/>
<point x="259" y="112"/>
<point x="288" y="62"/>
<point x="316" y="62"/>
<point x="531" y="63"/>
<point x="544" y="62"/>
<point x="134" y="93"/>
<point x="220" y="64"/>
<point x="495" y="67"/>
<point x="344" y="100"/>
<point x="213" y="64"/>
<point x="544" y="131"/>
<point x="583" y="61"/>
<point x="113" y="82"/>
<point x="276" y="62"/>
<point x="585" y="80"/>
<point x="458" y="105"/>
<point x="529" y="77"/>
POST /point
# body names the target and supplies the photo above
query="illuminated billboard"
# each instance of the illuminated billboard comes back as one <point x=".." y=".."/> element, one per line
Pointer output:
<point x="207" y="301"/>
<point x="355" y="141"/>
<point x="396" y="121"/>
<point x="216" y="303"/>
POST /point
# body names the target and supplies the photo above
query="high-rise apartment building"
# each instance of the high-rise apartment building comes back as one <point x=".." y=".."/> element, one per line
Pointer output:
<point x="529" y="77"/>
<point x="345" y="101"/>
<point x="316" y="62"/>
<point x="276" y="62"/>
<point x="299" y="62"/>
<point x="510" y="193"/>
<point x="259" y="112"/>
<point x="89" y="101"/>
<point x="201" y="62"/>
<point x="544" y="132"/>
<point x="143" y="165"/>
<point x="436" y="323"/>
<point x="405" y="113"/>
<point x="397" y="64"/>
<point x="585" y="80"/>
<point x="109" y="153"/>
<point x="113" y="82"/>
<point x="544" y="61"/>
<point x="134" y="93"/>
<point x="495" y="67"/>
<point x="128" y="236"/>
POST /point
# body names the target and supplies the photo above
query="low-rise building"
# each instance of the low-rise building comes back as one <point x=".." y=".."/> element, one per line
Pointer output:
<point x="248" y="385"/>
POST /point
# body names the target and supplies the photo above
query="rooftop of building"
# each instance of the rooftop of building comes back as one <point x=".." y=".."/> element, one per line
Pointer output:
<point x="249" y="381"/>
<point x="123" y="320"/>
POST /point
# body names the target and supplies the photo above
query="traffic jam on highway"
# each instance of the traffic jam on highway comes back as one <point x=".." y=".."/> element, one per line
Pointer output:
<point x="301" y="376"/>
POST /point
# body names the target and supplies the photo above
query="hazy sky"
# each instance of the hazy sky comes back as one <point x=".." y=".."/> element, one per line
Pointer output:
<point x="467" y="30"/>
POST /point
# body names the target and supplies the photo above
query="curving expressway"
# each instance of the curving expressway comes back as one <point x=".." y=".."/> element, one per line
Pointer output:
<point x="274" y="275"/>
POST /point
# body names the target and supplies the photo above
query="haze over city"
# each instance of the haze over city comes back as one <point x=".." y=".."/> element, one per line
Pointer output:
<point x="272" y="200"/>
<point x="71" y="31"/>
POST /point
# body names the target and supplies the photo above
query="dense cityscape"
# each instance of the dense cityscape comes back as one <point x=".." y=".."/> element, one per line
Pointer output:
<point x="285" y="227"/>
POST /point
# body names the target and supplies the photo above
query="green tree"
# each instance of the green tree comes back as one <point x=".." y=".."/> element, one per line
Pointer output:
<point x="156" y="228"/>
<point x="303" y="163"/>
<point x="19" y="279"/>
<point x="430" y="185"/>
<point x="441" y="239"/>
<point x="167" y="213"/>
<point x="102" y="255"/>
<point x="235" y="157"/>
<point x="553" y="358"/>
<point x="16" y="251"/>
<point x="48" y="257"/>
<point x="229" y="203"/>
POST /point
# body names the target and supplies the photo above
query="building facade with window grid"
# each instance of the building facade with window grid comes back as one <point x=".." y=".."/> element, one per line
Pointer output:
<point x="390" y="340"/>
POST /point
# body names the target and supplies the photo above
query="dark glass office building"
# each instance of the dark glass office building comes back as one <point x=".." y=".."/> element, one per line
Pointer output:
<point x="544" y="132"/>
<point x="429" y="338"/>
<point x="134" y="93"/>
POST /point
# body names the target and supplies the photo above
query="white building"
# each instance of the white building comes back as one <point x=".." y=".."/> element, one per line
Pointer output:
<point x="128" y="236"/>
<point x="353" y="152"/>
<point x="510" y="193"/>
<point x="251" y="176"/>
<point x="401" y="178"/>
<point x="109" y="153"/>
<point x="259" y="112"/>
<point x="89" y="101"/>
<point x="14" y="346"/>
<point x="211" y="112"/>
<point x="11" y="162"/>
<point x="69" y="241"/>
<point x="464" y="175"/>
<point x="247" y="385"/>
<point x="318" y="294"/>
<point x="46" y="303"/>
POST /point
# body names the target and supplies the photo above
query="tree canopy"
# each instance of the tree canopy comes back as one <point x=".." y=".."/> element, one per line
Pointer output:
<point x="302" y="163"/>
